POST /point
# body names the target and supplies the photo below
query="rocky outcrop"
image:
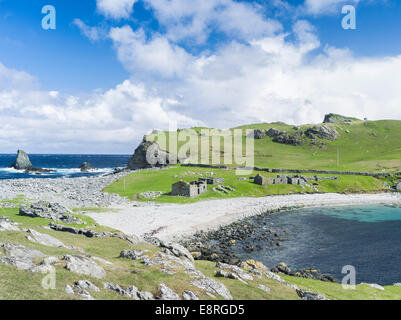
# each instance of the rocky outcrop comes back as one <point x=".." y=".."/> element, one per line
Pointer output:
<point x="84" y="265"/>
<point x="149" y="155"/>
<point x="7" y="225"/>
<point x="336" y="118"/>
<point x="307" y="295"/>
<point x="47" y="210"/>
<point x="165" y="293"/>
<point x="322" y="132"/>
<point x="19" y="256"/>
<point x="306" y="273"/>
<point x="86" y="167"/>
<point x="212" y="286"/>
<point x="398" y="187"/>
<point x="44" y="239"/>
<point x="22" y="162"/>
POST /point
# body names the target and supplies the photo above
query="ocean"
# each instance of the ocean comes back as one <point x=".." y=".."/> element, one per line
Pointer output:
<point x="65" y="165"/>
<point x="366" y="237"/>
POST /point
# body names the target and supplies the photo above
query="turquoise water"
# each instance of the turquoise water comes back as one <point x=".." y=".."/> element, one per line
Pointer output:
<point x="366" y="237"/>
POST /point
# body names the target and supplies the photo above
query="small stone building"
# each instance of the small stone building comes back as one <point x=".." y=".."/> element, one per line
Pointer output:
<point x="260" y="180"/>
<point x="212" y="180"/>
<point x="188" y="189"/>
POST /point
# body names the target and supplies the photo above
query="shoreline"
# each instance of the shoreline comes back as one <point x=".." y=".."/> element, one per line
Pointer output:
<point x="176" y="222"/>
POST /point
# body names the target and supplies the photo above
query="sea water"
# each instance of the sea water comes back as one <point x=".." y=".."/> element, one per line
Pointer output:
<point x="366" y="237"/>
<point x="64" y="165"/>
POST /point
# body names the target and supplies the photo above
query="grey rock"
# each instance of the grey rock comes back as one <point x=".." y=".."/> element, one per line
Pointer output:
<point x="83" y="265"/>
<point x="336" y="118"/>
<point x="133" y="254"/>
<point x="44" y="239"/>
<point x="47" y="210"/>
<point x="307" y="295"/>
<point x="177" y="249"/>
<point x="19" y="256"/>
<point x="149" y="155"/>
<point x="22" y="161"/>
<point x="398" y="186"/>
<point x="165" y="293"/>
<point x="86" y="285"/>
<point x="189" y="295"/>
<point x="69" y="290"/>
<point x="264" y="288"/>
<point x="323" y="132"/>
<point x="85" y="167"/>
<point x="49" y="261"/>
<point x="145" y="295"/>
<point x="7" y="225"/>
<point x="213" y="287"/>
<point x="235" y="269"/>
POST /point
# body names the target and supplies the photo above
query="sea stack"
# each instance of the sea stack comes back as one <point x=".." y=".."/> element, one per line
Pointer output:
<point x="22" y="161"/>
<point x="85" y="167"/>
<point x="158" y="157"/>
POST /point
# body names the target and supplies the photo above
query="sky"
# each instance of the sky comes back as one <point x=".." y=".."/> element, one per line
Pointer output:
<point x="113" y="70"/>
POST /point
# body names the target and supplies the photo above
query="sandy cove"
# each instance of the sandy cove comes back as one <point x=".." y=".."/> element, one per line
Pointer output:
<point x="173" y="221"/>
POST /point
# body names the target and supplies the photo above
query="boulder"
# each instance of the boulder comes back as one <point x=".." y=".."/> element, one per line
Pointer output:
<point x="213" y="287"/>
<point x="149" y="155"/>
<point x="165" y="293"/>
<point x="322" y="132"/>
<point x="189" y="295"/>
<point x="47" y="210"/>
<point x="44" y="239"/>
<point x="86" y="167"/>
<point x="398" y="186"/>
<point x="19" y="256"/>
<point x="22" y="161"/>
<point x="83" y="265"/>
<point x="177" y="250"/>
<point x="7" y="225"/>
<point x="307" y="295"/>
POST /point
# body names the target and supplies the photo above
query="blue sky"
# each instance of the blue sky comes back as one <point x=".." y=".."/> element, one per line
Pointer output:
<point x="113" y="70"/>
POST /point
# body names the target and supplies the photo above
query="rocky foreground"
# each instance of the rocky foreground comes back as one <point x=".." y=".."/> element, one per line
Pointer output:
<point x="82" y="192"/>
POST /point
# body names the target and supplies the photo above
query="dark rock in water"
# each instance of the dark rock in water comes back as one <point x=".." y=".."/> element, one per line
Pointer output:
<point x="22" y="162"/>
<point x="47" y="210"/>
<point x="323" y="132"/>
<point x="149" y="155"/>
<point x="85" y="167"/>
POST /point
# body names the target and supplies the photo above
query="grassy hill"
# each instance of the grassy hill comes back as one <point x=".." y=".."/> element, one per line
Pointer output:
<point x="363" y="146"/>
<point x="369" y="146"/>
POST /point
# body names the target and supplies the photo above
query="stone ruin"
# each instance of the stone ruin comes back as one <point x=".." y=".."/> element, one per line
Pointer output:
<point x="212" y="180"/>
<point x="189" y="189"/>
<point x="289" y="179"/>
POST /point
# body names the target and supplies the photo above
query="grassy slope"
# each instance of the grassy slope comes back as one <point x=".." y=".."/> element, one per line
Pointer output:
<point x="162" y="180"/>
<point x="369" y="146"/>
<point x="15" y="284"/>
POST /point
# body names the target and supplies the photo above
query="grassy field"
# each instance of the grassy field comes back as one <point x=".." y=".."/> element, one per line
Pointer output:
<point x="17" y="284"/>
<point x="367" y="146"/>
<point x="139" y="182"/>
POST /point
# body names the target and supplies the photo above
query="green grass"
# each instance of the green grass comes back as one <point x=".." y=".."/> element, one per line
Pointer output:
<point x="23" y="285"/>
<point x="162" y="180"/>
<point x="373" y="146"/>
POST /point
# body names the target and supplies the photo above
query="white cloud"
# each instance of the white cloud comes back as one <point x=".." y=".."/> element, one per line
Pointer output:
<point x="326" y="6"/>
<point x="115" y="9"/>
<point x="113" y="121"/>
<point x="195" y="20"/>
<point x="269" y="79"/>
<point x="92" y="33"/>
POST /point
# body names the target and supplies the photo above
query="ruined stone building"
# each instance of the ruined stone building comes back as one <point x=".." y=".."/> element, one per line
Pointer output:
<point x="188" y="189"/>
